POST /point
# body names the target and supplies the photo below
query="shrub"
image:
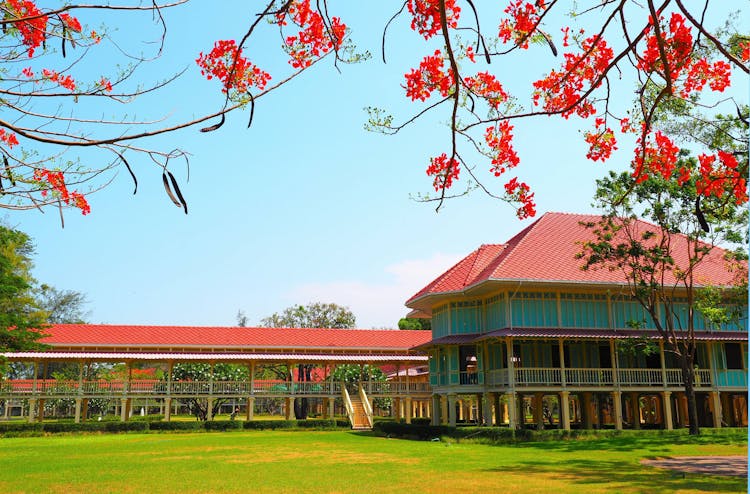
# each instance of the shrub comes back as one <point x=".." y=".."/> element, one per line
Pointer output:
<point x="175" y="426"/>
<point x="222" y="425"/>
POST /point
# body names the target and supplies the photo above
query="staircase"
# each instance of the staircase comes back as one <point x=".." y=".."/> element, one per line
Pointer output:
<point x="359" y="416"/>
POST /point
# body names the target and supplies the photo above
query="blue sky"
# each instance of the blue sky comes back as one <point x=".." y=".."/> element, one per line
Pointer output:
<point x="303" y="206"/>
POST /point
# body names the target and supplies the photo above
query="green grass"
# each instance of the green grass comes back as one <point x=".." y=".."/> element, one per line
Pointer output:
<point x="343" y="461"/>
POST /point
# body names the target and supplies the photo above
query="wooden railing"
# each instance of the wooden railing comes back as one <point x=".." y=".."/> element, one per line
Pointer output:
<point x="588" y="377"/>
<point x="101" y="388"/>
<point x="543" y="376"/>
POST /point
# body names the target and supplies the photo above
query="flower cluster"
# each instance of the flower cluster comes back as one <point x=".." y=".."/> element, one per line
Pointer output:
<point x="488" y="87"/>
<point x="314" y="39"/>
<point x="8" y="138"/>
<point x="55" y="181"/>
<point x="677" y="44"/>
<point x="33" y="31"/>
<point x="719" y="175"/>
<point x="523" y="22"/>
<point x="444" y="170"/>
<point x="426" y="16"/>
<point x="500" y="140"/>
<point x="226" y="63"/>
<point x="659" y="157"/>
<point x="562" y="90"/>
<point x="71" y="22"/>
<point x="65" y="81"/>
<point x="745" y="51"/>
<point x="519" y="192"/>
<point x="601" y="142"/>
<point x="420" y="83"/>
<point x="105" y="84"/>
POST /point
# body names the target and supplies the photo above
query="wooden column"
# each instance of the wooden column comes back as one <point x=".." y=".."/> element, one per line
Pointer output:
<point x="635" y="408"/>
<point x="81" y="365"/>
<point x="561" y="349"/>
<point x="498" y="408"/>
<point x="250" y="409"/>
<point x="716" y="408"/>
<point x="487" y="402"/>
<point x="436" y="409"/>
<point x="168" y="399"/>
<point x="667" y="404"/>
<point x="565" y="409"/>
<point x="408" y="409"/>
<point x="588" y="414"/>
<point x="617" y="402"/>
<point x="539" y="410"/>
<point x="663" y="363"/>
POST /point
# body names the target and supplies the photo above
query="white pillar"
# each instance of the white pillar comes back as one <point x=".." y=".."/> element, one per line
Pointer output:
<point x="452" y="410"/>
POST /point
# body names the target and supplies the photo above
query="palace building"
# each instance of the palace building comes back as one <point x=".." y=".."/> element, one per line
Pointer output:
<point x="522" y="336"/>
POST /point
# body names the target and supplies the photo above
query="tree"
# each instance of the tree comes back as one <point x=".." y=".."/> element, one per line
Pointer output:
<point x="661" y="261"/>
<point x="312" y="315"/>
<point x="205" y="373"/>
<point x="666" y="53"/>
<point x="22" y="321"/>
<point x="422" y="323"/>
<point x="62" y="306"/>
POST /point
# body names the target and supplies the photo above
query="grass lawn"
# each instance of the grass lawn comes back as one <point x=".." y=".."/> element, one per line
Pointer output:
<point x="343" y="461"/>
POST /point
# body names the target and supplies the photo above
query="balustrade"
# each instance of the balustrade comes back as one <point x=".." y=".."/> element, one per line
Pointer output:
<point x="589" y="377"/>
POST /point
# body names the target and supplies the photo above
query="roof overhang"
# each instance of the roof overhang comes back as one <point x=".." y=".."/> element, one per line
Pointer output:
<point x="210" y="357"/>
<point x="590" y="334"/>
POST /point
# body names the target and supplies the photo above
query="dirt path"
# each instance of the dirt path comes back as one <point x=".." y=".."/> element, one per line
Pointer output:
<point x="735" y="466"/>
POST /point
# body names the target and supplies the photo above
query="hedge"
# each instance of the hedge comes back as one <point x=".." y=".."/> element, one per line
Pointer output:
<point x="504" y="435"/>
<point x="10" y="429"/>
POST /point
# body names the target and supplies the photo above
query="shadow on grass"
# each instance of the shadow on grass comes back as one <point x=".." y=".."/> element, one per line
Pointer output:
<point x="625" y="474"/>
<point x="650" y="442"/>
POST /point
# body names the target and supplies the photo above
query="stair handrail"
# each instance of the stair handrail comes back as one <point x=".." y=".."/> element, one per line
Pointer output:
<point x="366" y="404"/>
<point x="348" y="404"/>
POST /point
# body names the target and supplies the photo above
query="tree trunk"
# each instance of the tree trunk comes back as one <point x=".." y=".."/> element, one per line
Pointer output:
<point x="301" y="405"/>
<point x="688" y="379"/>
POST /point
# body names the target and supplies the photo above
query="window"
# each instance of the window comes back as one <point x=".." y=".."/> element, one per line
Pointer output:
<point x="733" y="353"/>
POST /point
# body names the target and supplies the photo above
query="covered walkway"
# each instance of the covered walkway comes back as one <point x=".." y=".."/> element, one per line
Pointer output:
<point x="256" y="349"/>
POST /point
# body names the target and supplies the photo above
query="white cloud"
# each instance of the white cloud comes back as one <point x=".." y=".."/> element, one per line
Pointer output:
<point x="379" y="305"/>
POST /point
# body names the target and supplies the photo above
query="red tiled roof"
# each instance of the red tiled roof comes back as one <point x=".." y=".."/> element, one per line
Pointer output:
<point x="545" y="252"/>
<point x="166" y="337"/>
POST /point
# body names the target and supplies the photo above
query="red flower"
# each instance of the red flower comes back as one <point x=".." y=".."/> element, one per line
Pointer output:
<point x="226" y="63"/>
<point x="8" y="138"/>
<point x="428" y="78"/>
<point x="499" y="138"/>
<point x="54" y="181"/>
<point x="426" y="16"/>
<point x="524" y="21"/>
<point x="561" y="91"/>
<point x="601" y="142"/>
<point x="64" y="81"/>
<point x="32" y="31"/>
<point x="444" y="170"/>
<point x="314" y="39"/>
<point x="71" y="22"/>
